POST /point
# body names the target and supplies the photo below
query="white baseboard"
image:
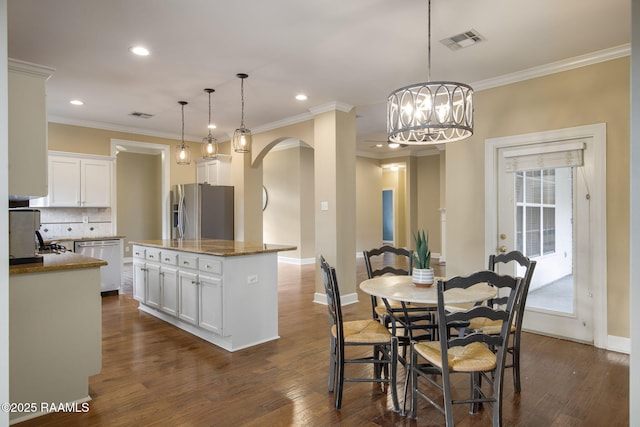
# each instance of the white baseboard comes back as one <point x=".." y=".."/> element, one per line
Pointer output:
<point x="321" y="298"/>
<point x="296" y="261"/>
<point x="127" y="260"/>
<point x="619" y="344"/>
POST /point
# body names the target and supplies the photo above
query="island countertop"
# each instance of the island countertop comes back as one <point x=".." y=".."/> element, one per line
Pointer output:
<point x="55" y="262"/>
<point x="225" y="248"/>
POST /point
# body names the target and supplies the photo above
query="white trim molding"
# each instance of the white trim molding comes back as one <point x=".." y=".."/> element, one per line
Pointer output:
<point x="597" y="194"/>
<point x="619" y="344"/>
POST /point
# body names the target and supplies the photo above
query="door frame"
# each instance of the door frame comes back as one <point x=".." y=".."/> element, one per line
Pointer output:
<point x="595" y="174"/>
<point x="142" y="147"/>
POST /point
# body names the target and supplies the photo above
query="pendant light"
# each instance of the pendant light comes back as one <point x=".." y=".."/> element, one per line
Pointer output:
<point x="242" y="135"/>
<point x="209" y="143"/>
<point x="431" y="112"/>
<point x="183" y="152"/>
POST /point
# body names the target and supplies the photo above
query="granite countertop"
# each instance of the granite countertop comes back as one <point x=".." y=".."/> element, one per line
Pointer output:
<point x="215" y="247"/>
<point x="56" y="262"/>
<point x="78" y="239"/>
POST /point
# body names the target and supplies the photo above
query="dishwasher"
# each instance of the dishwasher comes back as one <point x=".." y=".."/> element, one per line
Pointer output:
<point x="109" y="250"/>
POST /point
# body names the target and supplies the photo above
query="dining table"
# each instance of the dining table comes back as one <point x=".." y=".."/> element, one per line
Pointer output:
<point x="401" y="288"/>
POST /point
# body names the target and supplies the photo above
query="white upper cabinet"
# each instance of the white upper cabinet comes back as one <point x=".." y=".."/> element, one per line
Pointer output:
<point x="77" y="182"/>
<point x="27" y="108"/>
<point x="214" y="172"/>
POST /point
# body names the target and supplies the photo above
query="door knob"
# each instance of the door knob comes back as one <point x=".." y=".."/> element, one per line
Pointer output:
<point x="502" y="248"/>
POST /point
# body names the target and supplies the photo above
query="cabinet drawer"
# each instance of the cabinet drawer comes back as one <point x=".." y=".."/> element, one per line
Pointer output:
<point x="153" y="255"/>
<point x="188" y="261"/>
<point x="170" y="258"/>
<point x="210" y="266"/>
<point x="138" y="252"/>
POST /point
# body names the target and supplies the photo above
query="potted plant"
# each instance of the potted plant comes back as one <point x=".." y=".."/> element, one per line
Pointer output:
<point x="422" y="271"/>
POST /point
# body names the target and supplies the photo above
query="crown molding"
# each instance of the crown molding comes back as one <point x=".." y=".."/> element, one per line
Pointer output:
<point x="331" y="106"/>
<point x="284" y="122"/>
<point x="30" y="68"/>
<point x="554" y="67"/>
<point x="118" y="128"/>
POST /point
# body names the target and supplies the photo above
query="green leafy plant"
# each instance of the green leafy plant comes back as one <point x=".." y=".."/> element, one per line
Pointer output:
<point x="422" y="254"/>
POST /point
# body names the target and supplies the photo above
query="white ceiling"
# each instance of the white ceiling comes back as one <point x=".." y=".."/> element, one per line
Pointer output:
<point x="354" y="52"/>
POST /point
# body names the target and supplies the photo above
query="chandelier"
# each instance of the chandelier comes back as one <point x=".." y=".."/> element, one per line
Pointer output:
<point x="430" y="112"/>
<point x="209" y="143"/>
<point x="183" y="152"/>
<point x="242" y="136"/>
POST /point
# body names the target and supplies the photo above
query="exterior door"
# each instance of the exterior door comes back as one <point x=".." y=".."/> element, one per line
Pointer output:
<point x="543" y="213"/>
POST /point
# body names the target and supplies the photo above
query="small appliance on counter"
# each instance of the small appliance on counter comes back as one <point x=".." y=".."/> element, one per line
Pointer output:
<point x="23" y="224"/>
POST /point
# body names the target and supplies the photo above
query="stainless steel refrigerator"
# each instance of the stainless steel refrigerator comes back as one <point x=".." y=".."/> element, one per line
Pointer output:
<point x="203" y="211"/>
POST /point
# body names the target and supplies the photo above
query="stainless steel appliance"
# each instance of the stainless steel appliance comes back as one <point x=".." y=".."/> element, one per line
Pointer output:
<point x="203" y="211"/>
<point x="23" y="224"/>
<point x="109" y="250"/>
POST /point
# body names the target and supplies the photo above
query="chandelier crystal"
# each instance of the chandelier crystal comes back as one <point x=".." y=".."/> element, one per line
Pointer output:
<point x="183" y="152"/>
<point x="430" y="112"/>
<point x="209" y="143"/>
<point x="242" y="136"/>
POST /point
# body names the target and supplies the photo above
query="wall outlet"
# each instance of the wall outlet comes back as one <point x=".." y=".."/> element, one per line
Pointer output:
<point x="252" y="279"/>
<point x="85" y="219"/>
<point x="126" y="249"/>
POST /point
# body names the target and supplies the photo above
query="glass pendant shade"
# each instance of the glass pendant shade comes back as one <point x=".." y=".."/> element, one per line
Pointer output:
<point x="183" y="152"/>
<point x="209" y="143"/>
<point x="242" y="136"/>
<point x="209" y="148"/>
<point x="431" y="112"/>
<point x="242" y="140"/>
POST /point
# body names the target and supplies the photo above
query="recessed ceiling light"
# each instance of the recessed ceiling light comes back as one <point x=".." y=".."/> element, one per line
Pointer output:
<point x="76" y="102"/>
<point x="393" y="145"/>
<point x="139" y="50"/>
<point x="301" y="97"/>
<point x="379" y="145"/>
<point x="212" y="126"/>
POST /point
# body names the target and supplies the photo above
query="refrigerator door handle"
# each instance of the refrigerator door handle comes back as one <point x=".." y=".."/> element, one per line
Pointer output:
<point x="181" y="212"/>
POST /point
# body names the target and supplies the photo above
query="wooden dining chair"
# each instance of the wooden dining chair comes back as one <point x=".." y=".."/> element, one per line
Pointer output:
<point x="357" y="333"/>
<point x="478" y="354"/>
<point x="409" y="318"/>
<point x="494" y="327"/>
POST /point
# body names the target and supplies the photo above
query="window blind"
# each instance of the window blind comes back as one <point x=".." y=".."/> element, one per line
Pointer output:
<point x="545" y="156"/>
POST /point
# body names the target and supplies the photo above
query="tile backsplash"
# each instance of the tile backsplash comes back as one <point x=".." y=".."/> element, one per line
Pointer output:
<point x="58" y="223"/>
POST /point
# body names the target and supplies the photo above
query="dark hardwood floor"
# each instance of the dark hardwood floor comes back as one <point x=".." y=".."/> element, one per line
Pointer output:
<point x="154" y="374"/>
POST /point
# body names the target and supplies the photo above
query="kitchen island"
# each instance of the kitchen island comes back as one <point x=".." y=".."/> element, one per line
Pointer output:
<point x="223" y="291"/>
<point x="55" y="331"/>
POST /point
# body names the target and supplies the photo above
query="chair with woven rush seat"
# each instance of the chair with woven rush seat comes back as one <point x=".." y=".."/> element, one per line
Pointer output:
<point x="477" y="354"/>
<point x="394" y="313"/>
<point x="357" y="333"/>
<point x="493" y="327"/>
<point x="390" y="257"/>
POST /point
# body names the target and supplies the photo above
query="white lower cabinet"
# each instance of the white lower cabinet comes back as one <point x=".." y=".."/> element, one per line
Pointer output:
<point x="188" y="297"/>
<point x="210" y="298"/>
<point x="139" y="280"/>
<point x="152" y="297"/>
<point x="169" y="290"/>
<point x="230" y="301"/>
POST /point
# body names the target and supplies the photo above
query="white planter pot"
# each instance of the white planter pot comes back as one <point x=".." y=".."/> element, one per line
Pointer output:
<point x="423" y="276"/>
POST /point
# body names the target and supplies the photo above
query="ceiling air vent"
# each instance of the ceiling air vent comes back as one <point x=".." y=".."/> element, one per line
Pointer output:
<point x="141" y="115"/>
<point x="466" y="39"/>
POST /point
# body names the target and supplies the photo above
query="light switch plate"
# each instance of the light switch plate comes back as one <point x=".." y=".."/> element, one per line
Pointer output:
<point x="324" y="206"/>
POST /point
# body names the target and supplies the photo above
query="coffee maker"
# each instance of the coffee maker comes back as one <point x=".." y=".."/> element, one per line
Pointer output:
<point x="23" y="224"/>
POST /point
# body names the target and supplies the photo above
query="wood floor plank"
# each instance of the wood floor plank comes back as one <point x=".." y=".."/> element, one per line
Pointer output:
<point x="154" y="374"/>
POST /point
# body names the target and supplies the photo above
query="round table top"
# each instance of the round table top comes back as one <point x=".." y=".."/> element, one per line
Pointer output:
<point x="402" y="288"/>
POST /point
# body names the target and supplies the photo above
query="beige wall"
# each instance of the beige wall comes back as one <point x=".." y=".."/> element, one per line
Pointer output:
<point x="428" y="200"/>
<point x="78" y="139"/>
<point x="584" y="96"/>
<point x="368" y="204"/>
<point x="288" y="218"/>
<point x="139" y="214"/>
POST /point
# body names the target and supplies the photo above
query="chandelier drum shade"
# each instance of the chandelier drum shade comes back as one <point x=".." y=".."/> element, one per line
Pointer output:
<point x="430" y="112"/>
<point x="209" y="143"/>
<point x="183" y="152"/>
<point x="242" y="136"/>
